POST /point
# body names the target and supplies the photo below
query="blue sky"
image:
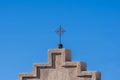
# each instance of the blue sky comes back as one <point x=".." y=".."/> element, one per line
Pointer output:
<point x="27" y="31"/>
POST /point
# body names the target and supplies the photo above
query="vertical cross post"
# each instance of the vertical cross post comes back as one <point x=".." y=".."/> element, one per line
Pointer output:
<point x="60" y="31"/>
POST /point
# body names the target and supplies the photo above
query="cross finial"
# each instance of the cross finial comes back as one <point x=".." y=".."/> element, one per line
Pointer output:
<point x="60" y="31"/>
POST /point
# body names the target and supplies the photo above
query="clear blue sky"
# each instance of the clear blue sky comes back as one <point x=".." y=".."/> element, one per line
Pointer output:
<point x="27" y="31"/>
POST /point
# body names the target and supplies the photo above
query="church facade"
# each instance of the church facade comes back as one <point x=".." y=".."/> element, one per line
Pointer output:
<point x="60" y="67"/>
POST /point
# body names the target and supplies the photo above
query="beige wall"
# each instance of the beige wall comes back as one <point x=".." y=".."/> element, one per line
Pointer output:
<point x="60" y="67"/>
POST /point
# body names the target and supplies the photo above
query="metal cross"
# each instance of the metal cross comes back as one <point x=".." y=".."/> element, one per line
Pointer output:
<point x="60" y="31"/>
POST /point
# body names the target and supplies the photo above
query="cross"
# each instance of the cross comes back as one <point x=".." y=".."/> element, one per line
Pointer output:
<point x="60" y="31"/>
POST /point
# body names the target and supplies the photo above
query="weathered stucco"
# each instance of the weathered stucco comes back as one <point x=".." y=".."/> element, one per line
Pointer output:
<point x="60" y="67"/>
